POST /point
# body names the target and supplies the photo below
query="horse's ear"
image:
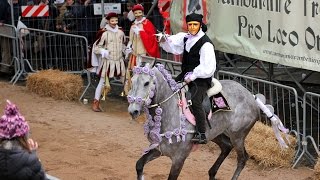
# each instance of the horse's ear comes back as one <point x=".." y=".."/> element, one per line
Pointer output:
<point x="148" y="60"/>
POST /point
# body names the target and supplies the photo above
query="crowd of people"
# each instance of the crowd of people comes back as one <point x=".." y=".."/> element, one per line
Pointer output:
<point x="68" y="16"/>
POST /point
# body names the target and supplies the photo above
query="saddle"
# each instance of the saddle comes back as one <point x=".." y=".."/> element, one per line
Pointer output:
<point x="212" y="103"/>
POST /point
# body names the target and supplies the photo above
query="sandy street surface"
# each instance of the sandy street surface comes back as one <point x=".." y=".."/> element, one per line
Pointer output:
<point x="76" y="143"/>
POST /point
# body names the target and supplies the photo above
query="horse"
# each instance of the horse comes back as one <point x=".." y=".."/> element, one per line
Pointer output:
<point x="154" y="91"/>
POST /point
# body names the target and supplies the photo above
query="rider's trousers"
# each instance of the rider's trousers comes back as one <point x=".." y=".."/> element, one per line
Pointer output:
<point x="198" y="93"/>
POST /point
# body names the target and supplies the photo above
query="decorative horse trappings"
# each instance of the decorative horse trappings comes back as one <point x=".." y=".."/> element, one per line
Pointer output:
<point x="169" y="133"/>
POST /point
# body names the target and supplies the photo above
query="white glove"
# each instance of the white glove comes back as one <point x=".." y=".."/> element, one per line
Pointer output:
<point x="104" y="53"/>
<point x="127" y="51"/>
<point x="136" y="29"/>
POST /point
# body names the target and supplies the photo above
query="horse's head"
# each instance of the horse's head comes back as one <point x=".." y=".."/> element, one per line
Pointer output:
<point x="142" y="89"/>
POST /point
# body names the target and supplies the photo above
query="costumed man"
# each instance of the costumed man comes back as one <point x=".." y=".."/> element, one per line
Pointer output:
<point x="142" y="41"/>
<point x="198" y="66"/>
<point x="107" y="57"/>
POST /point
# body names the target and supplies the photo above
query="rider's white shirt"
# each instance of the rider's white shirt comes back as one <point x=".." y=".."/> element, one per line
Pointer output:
<point x="207" y="66"/>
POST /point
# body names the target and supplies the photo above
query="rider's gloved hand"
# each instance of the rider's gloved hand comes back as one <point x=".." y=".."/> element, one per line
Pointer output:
<point x="187" y="77"/>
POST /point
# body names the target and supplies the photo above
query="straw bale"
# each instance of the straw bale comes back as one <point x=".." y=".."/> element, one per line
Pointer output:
<point x="55" y="84"/>
<point x="317" y="169"/>
<point x="263" y="147"/>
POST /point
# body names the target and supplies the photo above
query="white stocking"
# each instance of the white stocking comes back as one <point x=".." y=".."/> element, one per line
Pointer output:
<point x="99" y="88"/>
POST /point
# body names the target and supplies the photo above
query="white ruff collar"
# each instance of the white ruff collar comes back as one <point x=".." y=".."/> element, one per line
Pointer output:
<point x="139" y="22"/>
<point x="109" y="28"/>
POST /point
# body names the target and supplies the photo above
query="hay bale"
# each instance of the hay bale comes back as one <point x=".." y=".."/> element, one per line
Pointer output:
<point x="55" y="84"/>
<point x="317" y="169"/>
<point x="263" y="147"/>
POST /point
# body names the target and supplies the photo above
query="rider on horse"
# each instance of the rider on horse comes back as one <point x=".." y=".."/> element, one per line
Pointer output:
<point x="198" y="66"/>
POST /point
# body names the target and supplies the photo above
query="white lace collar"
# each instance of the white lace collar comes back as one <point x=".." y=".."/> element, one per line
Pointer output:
<point x="109" y="28"/>
<point x="139" y="22"/>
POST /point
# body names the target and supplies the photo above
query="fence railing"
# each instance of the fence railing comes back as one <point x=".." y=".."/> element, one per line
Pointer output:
<point x="8" y="49"/>
<point x="311" y="128"/>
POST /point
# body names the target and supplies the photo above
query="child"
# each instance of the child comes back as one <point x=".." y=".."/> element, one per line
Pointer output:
<point x="18" y="158"/>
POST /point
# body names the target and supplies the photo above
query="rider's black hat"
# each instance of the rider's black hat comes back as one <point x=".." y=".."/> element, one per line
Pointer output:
<point x="194" y="17"/>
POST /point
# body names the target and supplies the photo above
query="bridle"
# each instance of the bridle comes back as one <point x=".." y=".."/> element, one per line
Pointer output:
<point x="146" y="101"/>
<point x="152" y="126"/>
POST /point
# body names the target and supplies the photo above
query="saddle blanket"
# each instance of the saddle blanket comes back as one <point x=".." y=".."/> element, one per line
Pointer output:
<point x="219" y="103"/>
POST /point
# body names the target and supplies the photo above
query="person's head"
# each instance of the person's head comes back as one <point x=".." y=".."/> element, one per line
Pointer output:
<point x="112" y="19"/>
<point x="138" y="11"/>
<point x="69" y="2"/>
<point x="129" y="6"/>
<point x="194" y="23"/>
<point x="125" y="14"/>
<point x="13" y="126"/>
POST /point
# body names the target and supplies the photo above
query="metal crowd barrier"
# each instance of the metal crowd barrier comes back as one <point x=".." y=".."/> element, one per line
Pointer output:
<point x="42" y="50"/>
<point x="283" y="98"/>
<point x="311" y="128"/>
<point x="8" y="50"/>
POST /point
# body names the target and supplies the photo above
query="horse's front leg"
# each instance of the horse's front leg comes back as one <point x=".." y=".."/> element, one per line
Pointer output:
<point x="177" y="164"/>
<point x="151" y="155"/>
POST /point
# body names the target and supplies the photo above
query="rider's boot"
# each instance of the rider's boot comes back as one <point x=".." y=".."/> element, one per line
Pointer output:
<point x="200" y="138"/>
<point x="96" y="106"/>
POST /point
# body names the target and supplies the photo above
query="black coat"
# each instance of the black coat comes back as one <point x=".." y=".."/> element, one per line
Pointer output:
<point x="20" y="165"/>
<point x="5" y="12"/>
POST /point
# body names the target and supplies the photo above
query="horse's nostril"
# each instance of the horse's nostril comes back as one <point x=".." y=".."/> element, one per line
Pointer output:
<point x="134" y="114"/>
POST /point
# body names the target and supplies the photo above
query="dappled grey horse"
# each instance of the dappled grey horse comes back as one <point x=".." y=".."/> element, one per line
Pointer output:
<point x="155" y="92"/>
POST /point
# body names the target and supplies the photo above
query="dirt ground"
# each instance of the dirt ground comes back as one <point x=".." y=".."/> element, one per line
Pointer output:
<point x="76" y="143"/>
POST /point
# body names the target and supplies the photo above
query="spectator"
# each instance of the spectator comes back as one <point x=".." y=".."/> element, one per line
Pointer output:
<point x="125" y="23"/>
<point x="69" y="13"/>
<point x="130" y="13"/>
<point x="5" y="43"/>
<point x="87" y="25"/>
<point x="110" y="62"/>
<point x="18" y="158"/>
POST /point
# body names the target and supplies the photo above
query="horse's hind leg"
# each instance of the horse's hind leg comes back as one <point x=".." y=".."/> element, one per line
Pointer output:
<point x="151" y="155"/>
<point x="242" y="156"/>
<point x="225" y="145"/>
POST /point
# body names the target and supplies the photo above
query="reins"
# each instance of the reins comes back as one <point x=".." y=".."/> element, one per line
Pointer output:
<point x="174" y="93"/>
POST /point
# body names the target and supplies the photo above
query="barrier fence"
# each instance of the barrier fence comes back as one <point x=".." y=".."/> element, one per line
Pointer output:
<point x="8" y="49"/>
<point x="311" y="128"/>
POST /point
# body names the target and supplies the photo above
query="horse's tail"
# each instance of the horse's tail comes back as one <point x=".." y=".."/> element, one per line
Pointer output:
<point x="277" y="125"/>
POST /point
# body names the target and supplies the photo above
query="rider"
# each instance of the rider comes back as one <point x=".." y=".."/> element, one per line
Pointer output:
<point x="198" y="66"/>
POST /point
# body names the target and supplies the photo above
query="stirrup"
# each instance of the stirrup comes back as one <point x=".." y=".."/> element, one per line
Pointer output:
<point x="199" y="138"/>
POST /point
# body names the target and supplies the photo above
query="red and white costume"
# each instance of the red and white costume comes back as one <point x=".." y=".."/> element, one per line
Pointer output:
<point x="142" y="41"/>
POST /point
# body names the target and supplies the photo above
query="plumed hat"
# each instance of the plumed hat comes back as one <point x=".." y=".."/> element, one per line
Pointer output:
<point x="194" y="17"/>
<point x="12" y="123"/>
<point x="137" y="7"/>
<point x="110" y="15"/>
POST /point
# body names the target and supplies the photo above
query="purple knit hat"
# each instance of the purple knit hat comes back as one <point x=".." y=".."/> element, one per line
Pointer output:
<point x="12" y="123"/>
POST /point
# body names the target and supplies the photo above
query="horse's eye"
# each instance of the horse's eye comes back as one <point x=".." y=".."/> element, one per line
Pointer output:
<point x="146" y="84"/>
